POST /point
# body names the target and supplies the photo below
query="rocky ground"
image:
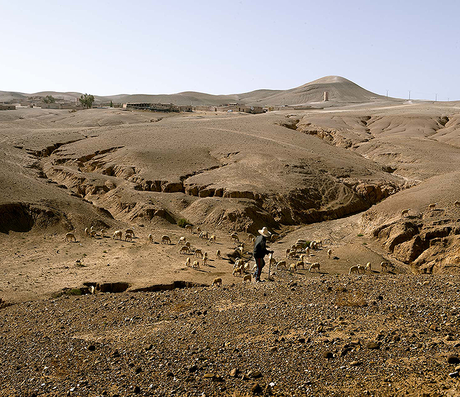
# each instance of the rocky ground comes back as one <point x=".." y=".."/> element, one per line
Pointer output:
<point x="375" y="335"/>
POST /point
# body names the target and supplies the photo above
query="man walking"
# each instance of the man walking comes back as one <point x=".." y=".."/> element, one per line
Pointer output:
<point x="260" y="250"/>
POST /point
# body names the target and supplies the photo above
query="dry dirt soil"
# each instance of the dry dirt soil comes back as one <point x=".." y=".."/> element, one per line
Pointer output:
<point x="378" y="182"/>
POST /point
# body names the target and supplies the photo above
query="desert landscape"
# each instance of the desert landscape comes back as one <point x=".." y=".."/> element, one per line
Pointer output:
<point x="361" y="193"/>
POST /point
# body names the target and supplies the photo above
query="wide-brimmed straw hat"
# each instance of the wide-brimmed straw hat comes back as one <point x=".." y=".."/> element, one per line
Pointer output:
<point x="264" y="232"/>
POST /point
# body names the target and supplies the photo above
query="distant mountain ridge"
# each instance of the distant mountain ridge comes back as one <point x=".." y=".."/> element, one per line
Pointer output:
<point x="339" y="90"/>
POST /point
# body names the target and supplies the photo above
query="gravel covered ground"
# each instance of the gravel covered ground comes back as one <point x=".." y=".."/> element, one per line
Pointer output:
<point x="332" y="335"/>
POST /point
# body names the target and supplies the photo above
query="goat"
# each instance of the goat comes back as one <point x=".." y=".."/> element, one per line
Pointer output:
<point x="313" y="266"/>
<point x="354" y="269"/>
<point x="329" y="253"/>
<point x="184" y="250"/>
<point x="198" y="253"/>
<point x="187" y="262"/>
<point x="457" y="203"/>
<point x="247" y="277"/>
<point x="217" y="282"/>
<point x="182" y="240"/>
<point x="239" y="270"/>
<point x="130" y="231"/>
<point x="368" y="267"/>
<point x="189" y="228"/>
<point x="212" y="239"/>
<point x="432" y="206"/>
<point x="150" y="237"/>
<point x="165" y="240"/>
<point x="196" y="264"/>
<point x="281" y="264"/>
<point x="292" y="267"/>
<point x="70" y="237"/>
<point x="299" y="264"/>
<point x="117" y="234"/>
<point x="219" y="256"/>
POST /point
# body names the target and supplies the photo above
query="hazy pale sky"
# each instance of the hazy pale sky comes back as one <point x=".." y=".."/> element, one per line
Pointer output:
<point x="223" y="47"/>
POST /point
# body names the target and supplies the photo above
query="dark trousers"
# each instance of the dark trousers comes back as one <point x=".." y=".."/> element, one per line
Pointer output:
<point x="260" y="264"/>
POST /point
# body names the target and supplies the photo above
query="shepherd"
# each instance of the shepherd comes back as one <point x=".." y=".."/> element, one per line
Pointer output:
<point x="260" y="250"/>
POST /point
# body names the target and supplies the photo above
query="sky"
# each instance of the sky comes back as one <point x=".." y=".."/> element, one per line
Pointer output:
<point x="399" y="48"/>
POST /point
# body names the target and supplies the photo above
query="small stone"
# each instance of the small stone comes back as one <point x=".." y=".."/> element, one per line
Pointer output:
<point x="273" y="349"/>
<point x="328" y="355"/>
<point x="138" y="370"/>
<point x="355" y="363"/>
<point x="373" y="345"/>
<point x="170" y="374"/>
<point x="457" y="368"/>
<point x="193" y="368"/>
<point x="137" y="390"/>
<point x="91" y="348"/>
<point x="254" y="374"/>
<point x="116" y="353"/>
<point x="234" y="372"/>
<point x="208" y="375"/>
<point x="454" y="374"/>
<point x="256" y="388"/>
<point x="149" y="347"/>
<point x="452" y="359"/>
<point x="434" y="327"/>
<point x="449" y="338"/>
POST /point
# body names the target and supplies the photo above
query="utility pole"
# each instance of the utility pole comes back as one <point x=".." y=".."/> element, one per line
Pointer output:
<point x="409" y="95"/>
<point x="387" y="93"/>
<point x="436" y="98"/>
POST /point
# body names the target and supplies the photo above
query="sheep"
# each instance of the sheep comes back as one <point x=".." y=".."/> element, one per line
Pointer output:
<point x="299" y="264"/>
<point x="217" y="282"/>
<point x="307" y="251"/>
<point x="212" y="239"/>
<point x="150" y="237"/>
<point x="246" y="267"/>
<point x="292" y="267"/>
<point x="354" y="269"/>
<point x="86" y="231"/>
<point x="288" y="250"/>
<point x="251" y="237"/>
<point x="198" y="253"/>
<point x="198" y="229"/>
<point x="405" y="212"/>
<point x="165" y="240"/>
<point x="70" y="237"/>
<point x="271" y="259"/>
<point x="313" y="245"/>
<point x="292" y="254"/>
<point x="184" y="250"/>
<point x="432" y="206"/>
<point x="187" y="244"/>
<point x="237" y="270"/>
<point x="188" y="262"/>
<point x="368" y="267"/>
<point x="329" y="253"/>
<point x="218" y="254"/>
<point x="313" y="266"/>
<point x="93" y="233"/>
<point x="128" y="237"/>
<point x="457" y="203"/>
<point x="196" y="264"/>
<point x="205" y="259"/>
<point x="281" y="264"/>
<point x="182" y="240"/>
<point x="319" y="244"/>
<point x="247" y="277"/>
<point x="204" y="235"/>
<point x="238" y="263"/>
<point x="189" y="228"/>
<point x="130" y="231"/>
<point x="103" y="231"/>
<point x="234" y="237"/>
<point x="117" y="234"/>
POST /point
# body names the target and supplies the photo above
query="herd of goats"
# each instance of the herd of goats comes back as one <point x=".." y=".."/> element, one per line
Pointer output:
<point x="298" y="255"/>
